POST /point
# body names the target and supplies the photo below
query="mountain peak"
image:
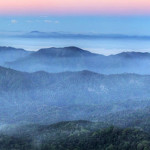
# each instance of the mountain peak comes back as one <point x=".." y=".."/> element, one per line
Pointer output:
<point x="7" y="48"/>
<point x="71" y="51"/>
<point x="73" y="48"/>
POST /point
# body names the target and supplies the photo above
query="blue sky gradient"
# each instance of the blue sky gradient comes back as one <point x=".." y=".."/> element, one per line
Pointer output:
<point x="91" y="25"/>
<point x="131" y="25"/>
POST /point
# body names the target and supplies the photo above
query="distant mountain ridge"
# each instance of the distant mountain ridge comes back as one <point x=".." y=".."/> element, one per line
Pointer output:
<point x="133" y="54"/>
<point x="8" y="54"/>
<point x="55" y="60"/>
<point x="63" y="52"/>
<point x="72" y="58"/>
<point x="67" y="35"/>
<point x="7" y="48"/>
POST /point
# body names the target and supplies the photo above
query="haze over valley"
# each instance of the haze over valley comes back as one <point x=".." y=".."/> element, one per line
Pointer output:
<point x="72" y="81"/>
<point x="54" y="85"/>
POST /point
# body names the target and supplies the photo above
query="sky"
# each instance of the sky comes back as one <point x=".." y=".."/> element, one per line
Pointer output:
<point x="125" y="17"/>
<point x="129" y="25"/>
<point x="99" y="16"/>
<point x="75" y="7"/>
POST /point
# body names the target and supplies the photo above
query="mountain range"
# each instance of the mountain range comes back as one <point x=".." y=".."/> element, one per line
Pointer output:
<point x="73" y="86"/>
<point x="43" y="97"/>
<point x="66" y="84"/>
<point x="11" y="54"/>
<point x="56" y="60"/>
<point x="91" y="36"/>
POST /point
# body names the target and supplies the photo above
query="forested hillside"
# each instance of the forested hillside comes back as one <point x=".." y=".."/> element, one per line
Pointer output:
<point x="49" y="98"/>
<point x="79" y="135"/>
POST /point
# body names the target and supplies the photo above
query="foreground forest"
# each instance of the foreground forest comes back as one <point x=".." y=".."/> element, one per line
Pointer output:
<point x="75" y="135"/>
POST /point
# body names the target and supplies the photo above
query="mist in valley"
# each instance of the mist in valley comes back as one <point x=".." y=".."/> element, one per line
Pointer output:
<point x="53" y="95"/>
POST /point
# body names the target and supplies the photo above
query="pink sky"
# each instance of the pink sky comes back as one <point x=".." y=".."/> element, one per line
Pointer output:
<point x="79" y="7"/>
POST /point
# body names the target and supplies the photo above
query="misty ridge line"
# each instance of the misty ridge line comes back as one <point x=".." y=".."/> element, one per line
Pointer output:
<point x="55" y="60"/>
<point x="24" y="94"/>
<point x="61" y="35"/>
<point x="5" y="48"/>
<point x="82" y="72"/>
